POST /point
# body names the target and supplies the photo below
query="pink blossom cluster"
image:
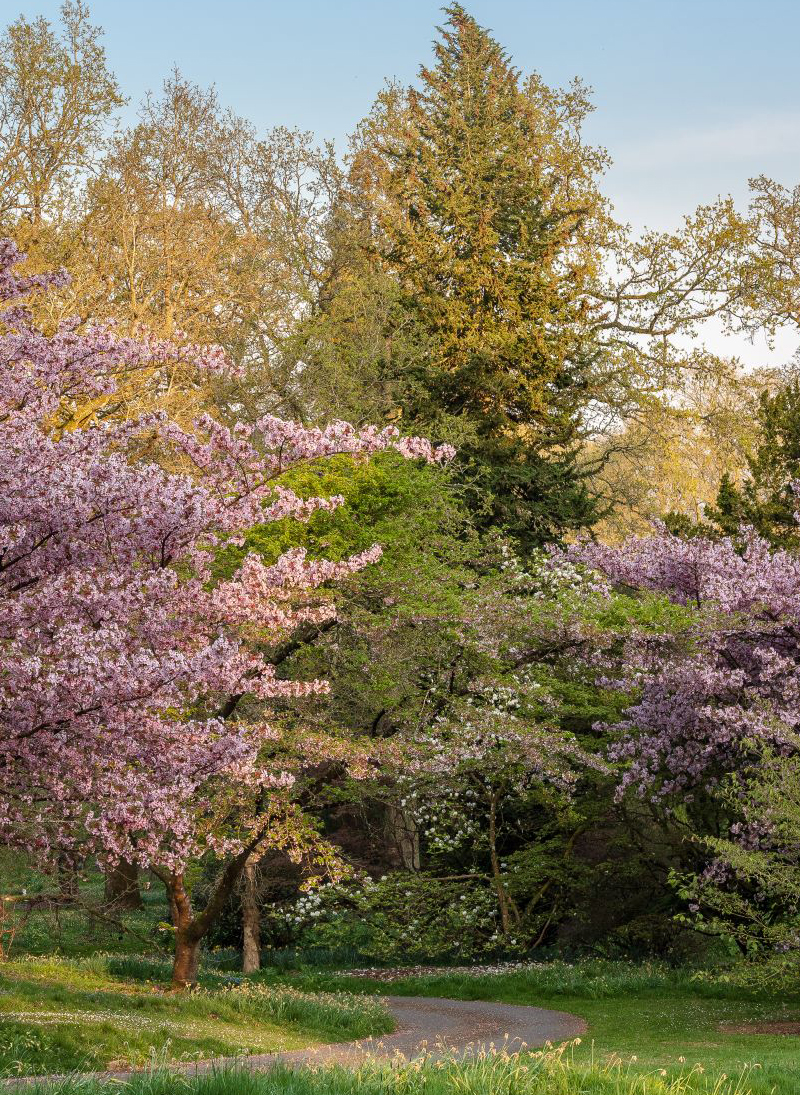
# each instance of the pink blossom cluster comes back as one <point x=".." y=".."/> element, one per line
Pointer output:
<point x="118" y="651"/>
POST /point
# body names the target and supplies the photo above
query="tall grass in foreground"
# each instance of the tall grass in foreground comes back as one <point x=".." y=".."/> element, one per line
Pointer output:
<point x="549" y="1072"/>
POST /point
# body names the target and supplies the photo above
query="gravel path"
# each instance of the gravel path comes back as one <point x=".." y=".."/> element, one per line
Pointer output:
<point x="428" y="1024"/>
<point x="425" y="1025"/>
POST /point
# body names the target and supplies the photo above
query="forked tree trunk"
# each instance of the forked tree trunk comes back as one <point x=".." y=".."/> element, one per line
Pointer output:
<point x="191" y="928"/>
<point x="504" y="902"/>
<point x="251" y="922"/>
<point x="122" y="886"/>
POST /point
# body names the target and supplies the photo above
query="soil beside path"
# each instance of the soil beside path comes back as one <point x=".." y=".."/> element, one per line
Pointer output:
<point x="426" y="1026"/>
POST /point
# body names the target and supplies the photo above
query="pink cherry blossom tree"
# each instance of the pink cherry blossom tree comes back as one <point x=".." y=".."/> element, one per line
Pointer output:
<point x="122" y="660"/>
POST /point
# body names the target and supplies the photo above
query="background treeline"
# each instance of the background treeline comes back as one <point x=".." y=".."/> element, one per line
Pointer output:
<point x="456" y="270"/>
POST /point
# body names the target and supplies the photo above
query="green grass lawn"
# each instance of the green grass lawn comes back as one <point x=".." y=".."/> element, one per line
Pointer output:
<point x="645" y="1016"/>
<point x="61" y="1014"/>
<point x="77" y="995"/>
<point x="65" y="1007"/>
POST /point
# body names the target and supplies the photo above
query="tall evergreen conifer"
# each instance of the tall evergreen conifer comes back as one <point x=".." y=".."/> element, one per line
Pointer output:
<point x="470" y="217"/>
<point x="766" y="498"/>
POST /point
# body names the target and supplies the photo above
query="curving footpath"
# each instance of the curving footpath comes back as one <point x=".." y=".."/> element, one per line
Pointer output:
<point x="426" y="1026"/>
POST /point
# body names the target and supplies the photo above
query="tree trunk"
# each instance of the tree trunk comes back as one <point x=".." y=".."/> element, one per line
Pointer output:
<point x="251" y="922"/>
<point x="404" y="836"/>
<point x="191" y="929"/>
<point x="122" y="886"/>
<point x="67" y="878"/>
<point x="186" y="964"/>
<point x="188" y="936"/>
<point x="500" y="890"/>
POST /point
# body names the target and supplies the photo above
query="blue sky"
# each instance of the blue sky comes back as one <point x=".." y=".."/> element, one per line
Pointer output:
<point x="692" y="96"/>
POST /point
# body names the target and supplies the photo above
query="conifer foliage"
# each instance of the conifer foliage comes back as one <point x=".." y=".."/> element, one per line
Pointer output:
<point x="475" y="228"/>
<point x="766" y="499"/>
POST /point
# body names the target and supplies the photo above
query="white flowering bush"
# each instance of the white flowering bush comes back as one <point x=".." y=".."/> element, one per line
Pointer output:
<point x="401" y="917"/>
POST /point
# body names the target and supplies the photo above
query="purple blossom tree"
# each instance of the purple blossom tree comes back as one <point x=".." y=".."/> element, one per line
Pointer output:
<point x="726" y="674"/>
<point x="716" y="711"/>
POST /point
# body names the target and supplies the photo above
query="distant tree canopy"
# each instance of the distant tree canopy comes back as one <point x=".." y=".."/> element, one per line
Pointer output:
<point x="766" y="498"/>
<point x="56" y="98"/>
<point x="467" y="286"/>
<point x="456" y="285"/>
